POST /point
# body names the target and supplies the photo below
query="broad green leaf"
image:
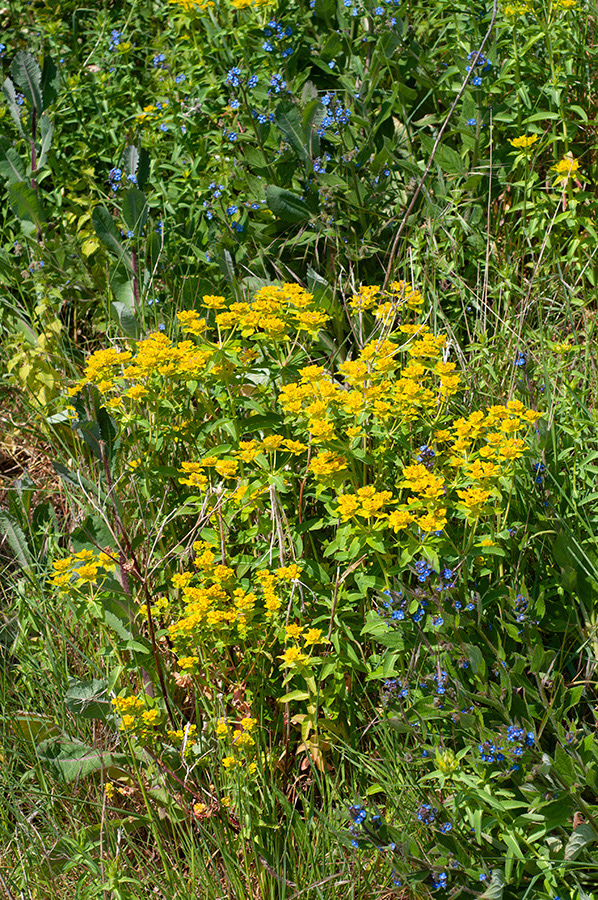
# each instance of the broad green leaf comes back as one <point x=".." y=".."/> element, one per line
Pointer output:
<point x="287" y="119"/>
<point x="313" y="114"/>
<point x="495" y="889"/>
<point x="50" y="82"/>
<point x="47" y="130"/>
<point x="286" y="205"/>
<point x="583" y="836"/>
<point x="88" y="699"/>
<point x="8" y="89"/>
<point x="34" y="727"/>
<point x="27" y="76"/>
<point x="12" y="166"/>
<point x="122" y="284"/>
<point x="26" y="204"/>
<point x="108" y="233"/>
<point x="135" y="209"/>
<point x="325" y="9"/>
<point x="14" y="535"/>
<point x="71" y="759"/>
<point x="127" y="320"/>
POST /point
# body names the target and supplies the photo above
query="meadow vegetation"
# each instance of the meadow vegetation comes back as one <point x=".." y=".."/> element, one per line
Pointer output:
<point x="298" y="529"/>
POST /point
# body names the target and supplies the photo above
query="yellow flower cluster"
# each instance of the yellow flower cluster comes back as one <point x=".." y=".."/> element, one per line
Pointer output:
<point x="470" y="457"/>
<point x="84" y="567"/>
<point x="136" y="716"/>
<point x="525" y="142"/>
<point x="377" y="387"/>
<point x="566" y="168"/>
<point x="215" y="605"/>
<point x="277" y="312"/>
<point x="385" y="304"/>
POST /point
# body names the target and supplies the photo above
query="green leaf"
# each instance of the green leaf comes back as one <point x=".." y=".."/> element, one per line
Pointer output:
<point x="25" y="204"/>
<point x="14" y="535"/>
<point x="126" y="319"/>
<point x="325" y="9"/>
<point x="12" y="166"/>
<point x="50" y="82"/>
<point x="286" y="205"/>
<point x="448" y="160"/>
<point x="70" y="759"/>
<point x="313" y="114"/>
<point x="581" y="837"/>
<point x="108" y="233"/>
<point x="130" y="160"/>
<point x="92" y="533"/>
<point x="27" y="75"/>
<point x="143" y="169"/>
<point x="47" y="130"/>
<point x="122" y="284"/>
<point x="135" y="209"/>
<point x="495" y="889"/>
<point x="287" y="119"/>
<point x="88" y="699"/>
<point x="8" y="89"/>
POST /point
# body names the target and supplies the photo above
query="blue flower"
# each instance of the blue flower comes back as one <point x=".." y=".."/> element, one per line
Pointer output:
<point x="232" y="210"/>
<point x="252" y="81"/>
<point x="233" y="136"/>
<point x="234" y="104"/>
<point x="163" y="126"/>
<point x="426" y="813"/>
<point x="378" y="11"/>
<point x="267" y="46"/>
<point x="132" y="178"/>
<point x="233" y="76"/>
<point x="477" y="81"/>
<point x="446" y="827"/>
<point x="180" y="78"/>
<point x="331" y="64"/>
<point x="472" y="122"/>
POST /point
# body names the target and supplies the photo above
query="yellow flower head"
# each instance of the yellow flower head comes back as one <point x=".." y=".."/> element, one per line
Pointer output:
<point x="525" y="142"/>
<point x="566" y="168"/>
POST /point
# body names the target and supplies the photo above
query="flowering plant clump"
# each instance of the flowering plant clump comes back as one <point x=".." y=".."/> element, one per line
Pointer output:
<point x="333" y="502"/>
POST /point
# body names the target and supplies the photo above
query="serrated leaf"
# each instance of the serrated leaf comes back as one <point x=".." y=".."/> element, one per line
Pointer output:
<point x="130" y="160"/>
<point x="287" y="205"/>
<point x="25" y="204"/>
<point x="581" y="838"/>
<point x="47" y="130"/>
<point x="286" y="117"/>
<point x="135" y="209"/>
<point x="12" y="166"/>
<point x="27" y="75"/>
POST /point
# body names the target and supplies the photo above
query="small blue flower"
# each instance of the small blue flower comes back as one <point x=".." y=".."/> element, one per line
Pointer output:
<point x="180" y="78"/>
<point x="378" y="11"/>
<point x="232" y="210"/>
<point x="252" y="81"/>
<point x="234" y="104"/>
<point x="476" y="81"/>
<point x="132" y="178"/>
<point x="233" y="136"/>
<point x="267" y="46"/>
<point x="472" y="122"/>
<point x="163" y="126"/>
<point x="331" y="64"/>
<point x="446" y="827"/>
